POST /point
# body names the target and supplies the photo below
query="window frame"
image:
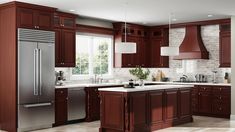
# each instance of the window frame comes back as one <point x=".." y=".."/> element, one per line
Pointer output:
<point x="91" y="75"/>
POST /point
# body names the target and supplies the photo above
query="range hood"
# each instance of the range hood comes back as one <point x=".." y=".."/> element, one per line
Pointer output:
<point x="192" y="46"/>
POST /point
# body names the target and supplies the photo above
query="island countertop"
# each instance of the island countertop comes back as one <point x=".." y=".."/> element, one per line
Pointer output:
<point x="144" y="88"/>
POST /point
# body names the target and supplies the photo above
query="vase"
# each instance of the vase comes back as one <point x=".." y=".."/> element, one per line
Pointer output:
<point x="141" y="83"/>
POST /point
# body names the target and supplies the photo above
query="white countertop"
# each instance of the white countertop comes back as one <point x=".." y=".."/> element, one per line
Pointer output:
<point x="87" y="85"/>
<point x="145" y="88"/>
<point x="77" y="85"/>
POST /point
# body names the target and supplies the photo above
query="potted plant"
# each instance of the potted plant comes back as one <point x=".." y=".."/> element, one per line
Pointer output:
<point x="140" y="73"/>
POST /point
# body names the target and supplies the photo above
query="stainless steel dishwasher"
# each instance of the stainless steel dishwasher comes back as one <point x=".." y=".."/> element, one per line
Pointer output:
<point x="76" y="104"/>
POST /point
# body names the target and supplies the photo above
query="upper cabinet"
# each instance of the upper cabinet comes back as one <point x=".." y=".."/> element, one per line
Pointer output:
<point x="64" y="20"/>
<point x="225" y="45"/>
<point x="35" y="18"/>
<point x="148" y="42"/>
<point x="65" y="39"/>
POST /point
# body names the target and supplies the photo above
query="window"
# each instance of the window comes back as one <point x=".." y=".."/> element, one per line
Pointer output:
<point x="93" y="55"/>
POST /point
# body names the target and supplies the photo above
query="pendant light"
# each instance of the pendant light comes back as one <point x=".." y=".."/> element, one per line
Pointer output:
<point x="169" y="50"/>
<point x="125" y="47"/>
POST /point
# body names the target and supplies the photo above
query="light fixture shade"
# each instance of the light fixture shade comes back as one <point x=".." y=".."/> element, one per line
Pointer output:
<point x="125" y="47"/>
<point x="169" y="51"/>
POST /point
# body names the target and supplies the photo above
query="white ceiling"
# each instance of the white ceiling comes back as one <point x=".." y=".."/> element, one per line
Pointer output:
<point x="148" y="12"/>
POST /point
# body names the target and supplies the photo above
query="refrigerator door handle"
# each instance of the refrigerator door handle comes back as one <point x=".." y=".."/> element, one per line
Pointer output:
<point x="35" y="72"/>
<point x="40" y="71"/>
<point x="37" y="105"/>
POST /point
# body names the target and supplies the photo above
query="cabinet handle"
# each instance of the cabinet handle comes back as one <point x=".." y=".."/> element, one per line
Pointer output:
<point x="220" y="97"/>
<point x="38" y="27"/>
<point x="204" y="88"/>
<point x="220" y="108"/>
<point x="35" y="26"/>
<point x="220" y="89"/>
<point x="199" y="93"/>
<point x="61" y="92"/>
<point x="129" y="64"/>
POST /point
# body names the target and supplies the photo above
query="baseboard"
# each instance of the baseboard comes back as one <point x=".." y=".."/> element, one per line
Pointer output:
<point x="232" y="117"/>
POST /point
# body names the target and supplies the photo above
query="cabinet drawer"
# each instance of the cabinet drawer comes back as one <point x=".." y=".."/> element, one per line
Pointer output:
<point x="222" y="90"/>
<point x="204" y="89"/>
<point x="61" y="93"/>
<point x="221" y="109"/>
<point x="221" y="99"/>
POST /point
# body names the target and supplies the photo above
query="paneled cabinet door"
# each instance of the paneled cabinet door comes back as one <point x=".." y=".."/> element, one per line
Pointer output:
<point x="225" y="49"/>
<point x="155" y="52"/>
<point x="61" y="110"/>
<point x="69" y="50"/>
<point x="171" y="108"/>
<point x="185" y="102"/>
<point x="68" y="22"/>
<point x="204" y="102"/>
<point x="139" y="108"/>
<point x="34" y="19"/>
<point x="129" y="60"/>
<point x="65" y="48"/>
<point x="156" y="107"/>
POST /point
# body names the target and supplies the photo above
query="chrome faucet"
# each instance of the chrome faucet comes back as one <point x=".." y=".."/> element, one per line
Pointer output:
<point x="183" y="78"/>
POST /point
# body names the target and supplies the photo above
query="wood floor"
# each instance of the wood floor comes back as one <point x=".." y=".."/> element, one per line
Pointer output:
<point x="200" y="124"/>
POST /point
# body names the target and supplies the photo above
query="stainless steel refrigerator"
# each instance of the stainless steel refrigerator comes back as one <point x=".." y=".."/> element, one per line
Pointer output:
<point x="35" y="79"/>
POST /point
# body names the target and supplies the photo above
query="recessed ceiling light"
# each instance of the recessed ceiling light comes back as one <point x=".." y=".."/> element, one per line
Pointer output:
<point x="72" y="10"/>
<point x="174" y="19"/>
<point x="209" y="15"/>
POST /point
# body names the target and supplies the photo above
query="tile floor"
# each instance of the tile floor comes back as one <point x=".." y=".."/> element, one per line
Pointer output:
<point x="200" y="124"/>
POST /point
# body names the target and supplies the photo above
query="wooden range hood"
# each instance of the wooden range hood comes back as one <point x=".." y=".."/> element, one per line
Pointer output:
<point x="192" y="46"/>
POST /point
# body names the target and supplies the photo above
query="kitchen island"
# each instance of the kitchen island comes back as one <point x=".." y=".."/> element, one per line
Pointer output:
<point x="144" y="109"/>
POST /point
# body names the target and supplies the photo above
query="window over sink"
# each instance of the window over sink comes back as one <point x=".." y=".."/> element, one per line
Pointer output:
<point x="94" y="55"/>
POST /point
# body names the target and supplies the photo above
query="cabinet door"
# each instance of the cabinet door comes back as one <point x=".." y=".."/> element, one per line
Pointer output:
<point x="225" y="49"/>
<point x="155" y="52"/>
<point x="58" y="46"/>
<point x="171" y="105"/>
<point x="61" y="106"/>
<point x="44" y="20"/>
<point x="128" y="60"/>
<point x="156" y="107"/>
<point x="25" y="18"/>
<point x="68" y="48"/>
<point x="112" y="111"/>
<point x="185" y="103"/>
<point x="195" y="99"/>
<point x="68" y="22"/>
<point x="142" y="52"/>
<point x="204" y="100"/>
<point x="139" y="110"/>
<point x="164" y="60"/>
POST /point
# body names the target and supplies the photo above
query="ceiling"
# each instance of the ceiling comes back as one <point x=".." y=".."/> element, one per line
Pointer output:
<point x="147" y="12"/>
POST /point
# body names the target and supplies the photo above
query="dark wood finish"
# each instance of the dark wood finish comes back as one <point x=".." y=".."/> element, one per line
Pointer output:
<point x="64" y="20"/>
<point x="61" y="109"/>
<point x="112" y="115"/>
<point x="144" y="111"/>
<point x="93" y="102"/>
<point x="156" y="109"/>
<point x="192" y="46"/>
<point x="204" y="99"/>
<point x="34" y="19"/>
<point x="225" y="45"/>
<point x="139" y="109"/>
<point x="171" y="105"/>
<point x="212" y="101"/>
<point x="8" y="69"/>
<point x="65" y="48"/>
<point x="94" y="29"/>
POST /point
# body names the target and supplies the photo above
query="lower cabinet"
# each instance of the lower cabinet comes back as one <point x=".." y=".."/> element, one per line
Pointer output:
<point x="212" y="101"/>
<point x="61" y="110"/>
<point x="144" y="111"/>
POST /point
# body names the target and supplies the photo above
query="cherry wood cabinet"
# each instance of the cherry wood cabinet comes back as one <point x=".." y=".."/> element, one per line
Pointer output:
<point x="61" y="109"/>
<point x="64" y="20"/>
<point x="225" y="45"/>
<point x="34" y="19"/>
<point x="93" y="102"/>
<point x="65" y="47"/>
<point x="144" y="111"/>
<point x="211" y="101"/>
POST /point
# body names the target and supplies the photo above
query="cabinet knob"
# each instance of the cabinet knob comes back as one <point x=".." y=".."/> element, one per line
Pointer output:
<point x="220" y="108"/>
<point x="220" y="97"/>
<point x="38" y="27"/>
<point x="129" y="64"/>
<point x="220" y="89"/>
<point x="204" y="88"/>
<point x="35" y="26"/>
<point x="199" y="93"/>
<point x="61" y="92"/>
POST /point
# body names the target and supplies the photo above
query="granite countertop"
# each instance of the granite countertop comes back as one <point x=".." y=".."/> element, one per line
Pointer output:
<point x="145" y="88"/>
<point x="77" y="85"/>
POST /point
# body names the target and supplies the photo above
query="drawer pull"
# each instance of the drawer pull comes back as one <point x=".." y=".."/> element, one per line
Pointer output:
<point x="61" y="92"/>
<point x="220" y="97"/>
<point x="220" y="89"/>
<point x="220" y="108"/>
<point x="204" y="88"/>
